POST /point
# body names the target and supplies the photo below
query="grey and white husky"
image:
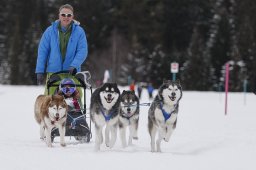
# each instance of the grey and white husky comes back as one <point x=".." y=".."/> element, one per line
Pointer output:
<point x="162" y="115"/>
<point x="104" y="110"/>
<point x="128" y="116"/>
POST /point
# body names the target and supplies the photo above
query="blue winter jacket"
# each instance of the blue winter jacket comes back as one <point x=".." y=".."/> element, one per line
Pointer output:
<point x="49" y="56"/>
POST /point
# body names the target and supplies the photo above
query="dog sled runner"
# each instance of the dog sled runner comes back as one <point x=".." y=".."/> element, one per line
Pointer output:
<point x="76" y="124"/>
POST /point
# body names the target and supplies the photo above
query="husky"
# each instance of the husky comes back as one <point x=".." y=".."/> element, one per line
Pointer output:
<point x="128" y="116"/>
<point x="104" y="111"/>
<point x="51" y="111"/>
<point x="162" y="114"/>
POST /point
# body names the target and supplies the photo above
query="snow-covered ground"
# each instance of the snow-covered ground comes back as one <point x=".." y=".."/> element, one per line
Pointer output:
<point x="205" y="139"/>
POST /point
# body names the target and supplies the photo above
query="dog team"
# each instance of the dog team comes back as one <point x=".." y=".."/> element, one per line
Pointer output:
<point x="110" y="110"/>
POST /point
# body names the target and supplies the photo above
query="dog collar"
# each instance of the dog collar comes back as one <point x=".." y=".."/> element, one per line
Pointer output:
<point x="53" y="121"/>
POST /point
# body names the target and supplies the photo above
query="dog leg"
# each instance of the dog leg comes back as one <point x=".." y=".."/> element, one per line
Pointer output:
<point x="131" y="134"/>
<point x="161" y="134"/>
<point x="168" y="134"/>
<point x="62" y="131"/>
<point x="107" y="135"/>
<point x="123" y="135"/>
<point x="135" y="132"/>
<point x="152" y="133"/>
<point x="98" y="137"/>
<point x="113" y="135"/>
<point x="42" y="128"/>
<point x="48" y="136"/>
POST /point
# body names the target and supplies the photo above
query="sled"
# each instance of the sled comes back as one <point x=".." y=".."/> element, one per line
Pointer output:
<point x="76" y="124"/>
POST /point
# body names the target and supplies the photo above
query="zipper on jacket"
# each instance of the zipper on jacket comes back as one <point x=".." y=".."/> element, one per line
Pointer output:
<point x="59" y="50"/>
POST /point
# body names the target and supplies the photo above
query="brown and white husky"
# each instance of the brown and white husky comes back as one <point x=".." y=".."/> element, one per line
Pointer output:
<point x="51" y="111"/>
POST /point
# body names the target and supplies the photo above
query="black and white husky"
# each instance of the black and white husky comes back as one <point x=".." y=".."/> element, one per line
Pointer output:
<point x="128" y="116"/>
<point x="104" y="110"/>
<point x="162" y="115"/>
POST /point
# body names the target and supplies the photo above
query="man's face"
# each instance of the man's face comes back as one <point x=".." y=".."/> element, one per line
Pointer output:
<point x="65" y="16"/>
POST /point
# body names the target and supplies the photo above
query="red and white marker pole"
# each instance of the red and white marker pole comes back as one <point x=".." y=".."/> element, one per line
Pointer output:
<point x="226" y="87"/>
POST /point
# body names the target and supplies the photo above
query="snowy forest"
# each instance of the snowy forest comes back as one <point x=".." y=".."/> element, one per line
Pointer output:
<point x="138" y="39"/>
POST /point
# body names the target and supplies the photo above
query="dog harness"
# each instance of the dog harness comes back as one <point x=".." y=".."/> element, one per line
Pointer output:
<point x="108" y="116"/>
<point x="165" y="114"/>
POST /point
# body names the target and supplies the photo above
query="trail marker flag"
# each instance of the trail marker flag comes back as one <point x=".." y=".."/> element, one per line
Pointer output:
<point x="226" y="87"/>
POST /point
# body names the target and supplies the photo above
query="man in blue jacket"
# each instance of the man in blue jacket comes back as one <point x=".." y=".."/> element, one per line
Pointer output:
<point x="63" y="46"/>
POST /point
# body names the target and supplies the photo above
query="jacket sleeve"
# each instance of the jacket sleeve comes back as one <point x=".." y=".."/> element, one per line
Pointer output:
<point x="43" y="52"/>
<point x="81" y="52"/>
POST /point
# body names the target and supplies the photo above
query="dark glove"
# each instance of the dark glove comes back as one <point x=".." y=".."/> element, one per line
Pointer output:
<point x="40" y="78"/>
<point x="72" y="70"/>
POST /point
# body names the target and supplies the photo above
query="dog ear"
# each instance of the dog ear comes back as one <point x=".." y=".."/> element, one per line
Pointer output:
<point x="62" y="97"/>
<point x="159" y="94"/>
<point x="116" y="87"/>
<point x="177" y="81"/>
<point x="160" y="97"/>
<point x="103" y="86"/>
<point x="65" y="103"/>
<point x="166" y="81"/>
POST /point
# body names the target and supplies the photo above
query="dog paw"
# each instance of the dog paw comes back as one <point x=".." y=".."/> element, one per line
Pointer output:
<point x="49" y="145"/>
<point x="111" y="145"/>
<point x="166" y="139"/>
<point x="135" y="138"/>
<point x="159" y="150"/>
<point x="97" y="148"/>
<point x="63" y="144"/>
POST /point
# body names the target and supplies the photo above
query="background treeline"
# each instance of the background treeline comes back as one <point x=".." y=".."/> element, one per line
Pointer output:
<point x="138" y="39"/>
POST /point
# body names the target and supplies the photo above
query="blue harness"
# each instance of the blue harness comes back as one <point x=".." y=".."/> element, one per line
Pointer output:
<point x="165" y="114"/>
<point x="107" y="117"/>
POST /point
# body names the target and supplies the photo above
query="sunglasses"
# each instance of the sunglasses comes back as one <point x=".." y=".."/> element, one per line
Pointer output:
<point x="66" y="15"/>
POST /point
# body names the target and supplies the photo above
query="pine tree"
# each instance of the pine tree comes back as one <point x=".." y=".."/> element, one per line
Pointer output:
<point x="197" y="71"/>
<point x="4" y="76"/>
